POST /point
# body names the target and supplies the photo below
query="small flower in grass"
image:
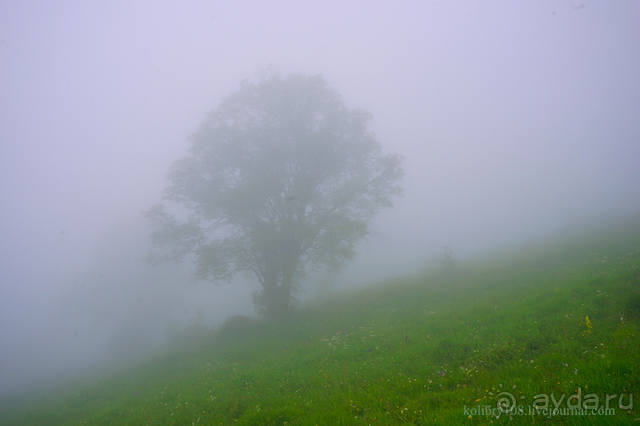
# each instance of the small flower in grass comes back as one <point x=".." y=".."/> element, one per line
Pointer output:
<point x="588" y="324"/>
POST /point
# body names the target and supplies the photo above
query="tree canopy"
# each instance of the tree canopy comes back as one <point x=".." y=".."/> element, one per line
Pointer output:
<point x="281" y="178"/>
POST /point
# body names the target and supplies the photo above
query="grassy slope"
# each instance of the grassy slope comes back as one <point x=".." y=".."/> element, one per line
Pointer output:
<point x="414" y="350"/>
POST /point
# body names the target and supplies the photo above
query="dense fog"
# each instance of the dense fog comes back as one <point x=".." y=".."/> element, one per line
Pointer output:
<point x="514" y="121"/>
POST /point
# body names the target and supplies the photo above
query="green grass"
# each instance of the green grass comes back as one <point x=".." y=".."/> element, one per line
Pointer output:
<point x="413" y="350"/>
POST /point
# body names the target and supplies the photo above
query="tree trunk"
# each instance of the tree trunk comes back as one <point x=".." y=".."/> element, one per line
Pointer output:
<point x="277" y="284"/>
<point x="277" y="300"/>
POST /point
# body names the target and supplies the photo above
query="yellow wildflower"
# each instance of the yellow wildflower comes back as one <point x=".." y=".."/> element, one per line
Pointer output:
<point x="587" y="323"/>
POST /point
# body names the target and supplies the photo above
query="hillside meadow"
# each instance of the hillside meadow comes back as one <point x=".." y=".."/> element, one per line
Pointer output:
<point x="505" y="339"/>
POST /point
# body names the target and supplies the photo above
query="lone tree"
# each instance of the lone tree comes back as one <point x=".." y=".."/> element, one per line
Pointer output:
<point x="280" y="179"/>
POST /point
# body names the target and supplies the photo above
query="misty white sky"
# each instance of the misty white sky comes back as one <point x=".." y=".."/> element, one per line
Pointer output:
<point x="515" y="119"/>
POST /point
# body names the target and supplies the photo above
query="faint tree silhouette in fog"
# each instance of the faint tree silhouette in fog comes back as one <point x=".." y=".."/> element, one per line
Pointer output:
<point x="280" y="178"/>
